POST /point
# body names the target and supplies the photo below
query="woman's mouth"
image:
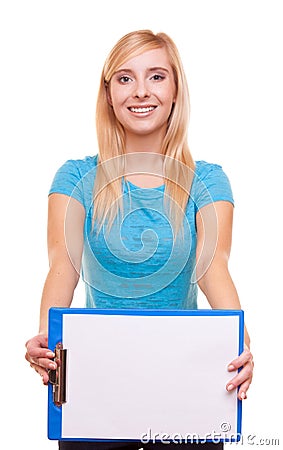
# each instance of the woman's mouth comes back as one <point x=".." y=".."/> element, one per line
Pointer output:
<point x="141" y="110"/>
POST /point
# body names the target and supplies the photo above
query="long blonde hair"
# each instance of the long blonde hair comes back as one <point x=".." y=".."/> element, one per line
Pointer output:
<point x="178" y="162"/>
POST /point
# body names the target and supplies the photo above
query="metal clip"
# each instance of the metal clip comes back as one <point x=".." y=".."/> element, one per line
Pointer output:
<point x="57" y="377"/>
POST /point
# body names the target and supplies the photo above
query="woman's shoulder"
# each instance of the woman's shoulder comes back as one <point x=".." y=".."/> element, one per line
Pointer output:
<point x="204" y="168"/>
<point x="210" y="184"/>
<point x="75" y="178"/>
<point x="80" y="166"/>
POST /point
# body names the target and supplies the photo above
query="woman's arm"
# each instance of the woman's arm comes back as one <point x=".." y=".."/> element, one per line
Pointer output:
<point x="214" y="237"/>
<point x="65" y="244"/>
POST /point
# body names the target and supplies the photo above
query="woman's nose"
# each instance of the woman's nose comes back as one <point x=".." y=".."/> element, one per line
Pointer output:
<point x="141" y="89"/>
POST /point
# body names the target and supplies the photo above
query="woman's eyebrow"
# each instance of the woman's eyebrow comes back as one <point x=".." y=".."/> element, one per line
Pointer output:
<point x="154" y="69"/>
<point x="150" y="69"/>
<point x="123" y="70"/>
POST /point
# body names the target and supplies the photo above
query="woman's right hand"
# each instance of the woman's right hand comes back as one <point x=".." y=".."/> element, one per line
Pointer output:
<point x="39" y="356"/>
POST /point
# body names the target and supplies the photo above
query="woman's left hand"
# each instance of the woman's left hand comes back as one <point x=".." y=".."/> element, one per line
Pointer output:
<point x="243" y="378"/>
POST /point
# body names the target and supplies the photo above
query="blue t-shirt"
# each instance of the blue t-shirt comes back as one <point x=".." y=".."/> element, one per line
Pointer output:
<point x="138" y="264"/>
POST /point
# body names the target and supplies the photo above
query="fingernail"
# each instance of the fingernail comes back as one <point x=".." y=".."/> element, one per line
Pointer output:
<point x="52" y="366"/>
<point x="243" y="395"/>
<point x="50" y="354"/>
<point x="230" y="387"/>
<point x="231" y="367"/>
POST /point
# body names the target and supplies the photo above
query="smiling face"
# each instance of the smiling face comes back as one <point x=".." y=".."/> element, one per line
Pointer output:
<point x="142" y="92"/>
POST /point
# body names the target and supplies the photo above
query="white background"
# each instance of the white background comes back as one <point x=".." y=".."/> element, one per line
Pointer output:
<point x="52" y="54"/>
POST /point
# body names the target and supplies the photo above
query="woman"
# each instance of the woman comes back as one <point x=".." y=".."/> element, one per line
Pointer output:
<point x="142" y="221"/>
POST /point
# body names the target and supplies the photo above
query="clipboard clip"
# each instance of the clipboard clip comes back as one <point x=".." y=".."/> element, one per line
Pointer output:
<point x="57" y="377"/>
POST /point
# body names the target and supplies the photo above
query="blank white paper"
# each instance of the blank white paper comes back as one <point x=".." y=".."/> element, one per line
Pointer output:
<point x="131" y="377"/>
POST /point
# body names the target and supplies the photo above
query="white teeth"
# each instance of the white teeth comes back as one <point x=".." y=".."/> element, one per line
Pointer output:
<point x="142" y="110"/>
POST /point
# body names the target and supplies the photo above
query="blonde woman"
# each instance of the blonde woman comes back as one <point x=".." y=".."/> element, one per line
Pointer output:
<point x="142" y="222"/>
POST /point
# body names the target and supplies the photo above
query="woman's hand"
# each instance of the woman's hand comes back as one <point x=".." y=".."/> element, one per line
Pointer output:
<point x="244" y="377"/>
<point x="38" y="355"/>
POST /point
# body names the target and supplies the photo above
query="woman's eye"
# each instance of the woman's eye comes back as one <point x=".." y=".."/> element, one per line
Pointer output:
<point x="124" y="79"/>
<point x="157" y="77"/>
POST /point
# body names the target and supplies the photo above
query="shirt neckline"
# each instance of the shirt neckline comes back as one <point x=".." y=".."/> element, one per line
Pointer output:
<point x="135" y="187"/>
<point x="143" y="193"/>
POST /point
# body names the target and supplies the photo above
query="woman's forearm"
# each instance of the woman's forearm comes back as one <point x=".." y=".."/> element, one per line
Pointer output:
<point x="219" y="289"/>
<point x="58" y="291"/>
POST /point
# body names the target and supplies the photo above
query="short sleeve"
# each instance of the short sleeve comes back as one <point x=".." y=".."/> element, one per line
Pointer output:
<point x="67" y="180"/>
<point x="210" y="185"/>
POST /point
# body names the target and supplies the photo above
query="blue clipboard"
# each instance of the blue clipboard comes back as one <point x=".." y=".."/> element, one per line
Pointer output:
<point x="144" y="375"/>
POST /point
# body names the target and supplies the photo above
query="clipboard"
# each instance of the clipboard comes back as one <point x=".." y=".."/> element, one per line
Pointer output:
<point x="144" y="375"/>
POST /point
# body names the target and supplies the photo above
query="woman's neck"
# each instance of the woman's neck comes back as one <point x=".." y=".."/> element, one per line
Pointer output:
<point x="144" y="169"/>
<point x="151" y="143"/>
<point x="144" y="161"/>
